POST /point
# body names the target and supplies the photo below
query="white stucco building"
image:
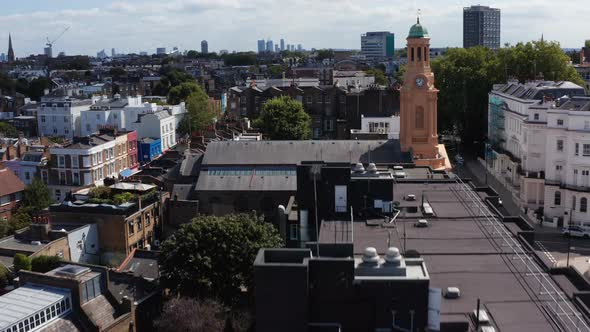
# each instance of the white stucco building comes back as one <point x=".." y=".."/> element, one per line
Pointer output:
<point x="60" y="116"/>
<point x="160" y="124"/>
<point x="389" y="125"/>
<point x="520" y="133"/>
<point x="116" y="113"/>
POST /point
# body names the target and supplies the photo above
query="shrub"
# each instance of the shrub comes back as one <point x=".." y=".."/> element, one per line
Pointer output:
<point x="123" y="198"/>
<point x="100" y="192"/>
<point x="45" y="263"/>
<point x="21" y="262"/>
<point x="4" y="276"/>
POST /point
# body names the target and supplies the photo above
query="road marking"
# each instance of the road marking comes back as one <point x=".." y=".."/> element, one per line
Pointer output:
<point x="546" y="252"/>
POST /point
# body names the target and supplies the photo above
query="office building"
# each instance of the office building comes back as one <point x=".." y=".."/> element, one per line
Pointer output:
<point x="113" y="52"/>
<point x="377" y="45"/>
<point x="282" y="44"/>
<point x="261" y="46"/>
<point x="269" y="46"/>
<point x="481" y="27"/>
<point x="204" y="47"/>
<point x="161" y="50"/>
<point x="299" y="47"/>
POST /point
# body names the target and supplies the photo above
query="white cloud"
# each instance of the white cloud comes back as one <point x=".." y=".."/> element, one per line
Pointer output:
<point x="134" y="25"/>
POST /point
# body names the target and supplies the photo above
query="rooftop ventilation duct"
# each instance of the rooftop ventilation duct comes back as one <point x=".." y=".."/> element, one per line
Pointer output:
<point x="370" y="256"/>
<point x="372" y="168"/>
<point x="393" y="257"/>
<point x="358" y="168"/>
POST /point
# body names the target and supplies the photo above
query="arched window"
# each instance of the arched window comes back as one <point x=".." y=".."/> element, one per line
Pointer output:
<point x="412" y="53"/>
<point x="557" y="198"/>
<point x="583" y="204"/>
<point x="419" y="117"/>
<point x="425" y="55"/>
<point x="419" y="53"/>
<point x="574" y="203"/>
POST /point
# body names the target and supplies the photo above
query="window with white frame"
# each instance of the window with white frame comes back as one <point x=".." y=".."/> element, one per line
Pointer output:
<point x="536" y="116"/>
<point x="586" y="150"/>
<point x="61" y="161"/>
<point x="560" y="122"/>
<point x="74" y="159"/>
<point x="586" y="125"/>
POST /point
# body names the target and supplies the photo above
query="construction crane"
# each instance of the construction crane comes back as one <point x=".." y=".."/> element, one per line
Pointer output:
<point x="49" y="48"/>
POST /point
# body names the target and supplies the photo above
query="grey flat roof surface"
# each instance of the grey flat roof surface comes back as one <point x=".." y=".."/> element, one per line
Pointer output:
<point x="294" y="152"/>
<point x="461" y="248"/>
<point x="143" y="267"/>
<point x="15" y="244"/>
<point x="27" y="300"/>
<point x="246" y="183"/>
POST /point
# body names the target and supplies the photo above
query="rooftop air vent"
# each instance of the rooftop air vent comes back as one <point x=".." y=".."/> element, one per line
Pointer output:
<point x="358" y="168"/>
<point x="372" y="168"/>
<point x="370" y="256"/>
<point x="452" y="293"/>
<point x="393" y="257"/>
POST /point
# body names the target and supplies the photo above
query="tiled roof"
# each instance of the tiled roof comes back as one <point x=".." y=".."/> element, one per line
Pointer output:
<point x="9" y="183"/>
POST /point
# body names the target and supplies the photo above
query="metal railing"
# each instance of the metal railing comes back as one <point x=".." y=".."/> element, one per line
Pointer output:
<point x="557" y="304"/>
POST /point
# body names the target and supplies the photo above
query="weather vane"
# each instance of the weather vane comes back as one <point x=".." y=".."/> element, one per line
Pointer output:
<point x="418" y="16"/>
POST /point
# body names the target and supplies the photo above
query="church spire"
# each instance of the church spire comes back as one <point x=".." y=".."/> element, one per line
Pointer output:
<point x="10" y="50"/>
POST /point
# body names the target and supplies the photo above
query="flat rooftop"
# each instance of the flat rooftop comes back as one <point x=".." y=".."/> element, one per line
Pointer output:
<point x="27" y="300"/>
<point x="465" y="246"/>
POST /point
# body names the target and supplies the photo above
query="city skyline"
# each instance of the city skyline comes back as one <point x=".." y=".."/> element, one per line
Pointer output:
<point x="327" y="24"/>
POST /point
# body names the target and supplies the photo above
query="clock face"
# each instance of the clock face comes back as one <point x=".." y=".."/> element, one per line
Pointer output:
<point x="420" y="82"/>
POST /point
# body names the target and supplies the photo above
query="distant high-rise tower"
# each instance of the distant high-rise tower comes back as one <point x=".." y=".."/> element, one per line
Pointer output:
<point x="113" y="52"/>
<point x="269" y="46"/>
<point x="204" y="47"/>
<point x="10" y="50"/>
<point x="299" y="47"/>
<point x="261" y="46"/>
<point x="481" y="27"/>
<point x="378" y="45"/>
<point x="282" y="44"/>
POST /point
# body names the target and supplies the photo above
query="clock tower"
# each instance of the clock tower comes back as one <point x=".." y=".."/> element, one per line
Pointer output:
<point x="418" y="98"/>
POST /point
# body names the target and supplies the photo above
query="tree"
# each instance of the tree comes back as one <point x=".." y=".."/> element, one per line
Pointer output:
<point x="378" y="74"/>
<point x="8" y="130"/>
<point x="21" y="262"/>
<point x="204" y="316"/>
<point x="399" y="74"/>
<point x="4" y="276"/>
<point x="44" y="263"/>
<point x="117" y="72"/>
<point x="325" y="54"/>
<point x="466" y="76"/>
<point x="181" y="92"/>
<point x="199" y="114"/>
<point x="18" y="220"/>
<point x="537" y="59"/>
<point x="37" y="88"/>
<point x="276" y="71"/>
<point x="192" y="54"/>
<point x="240" y="59"/>
<point x="36" y="196"/>
<point x="212" y="257"/>
<point x="283" y="118"/>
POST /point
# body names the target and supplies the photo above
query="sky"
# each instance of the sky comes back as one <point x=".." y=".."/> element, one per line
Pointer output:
<point x="142" y="25"/>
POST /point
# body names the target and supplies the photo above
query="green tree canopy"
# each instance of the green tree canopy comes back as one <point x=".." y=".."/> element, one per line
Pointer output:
<point x="22" y="262"/>
<point x="8" y="130"/>
<point x="169" y="78"/>
<point x="325" y="54"/>
<point x="181" y="92"/>
<point x="44" y="263"/>
<point x="36" y="196"/>
<point x="283" y="118"/>
<point x="199" y="113"/>
<point x="240" y="59"/>
<point x="379" y="75"/>
<point x="466" y="76"/>
<point x="212" y="257"/>
<point x="4" y="276"/>
<point x="37" y="88"/>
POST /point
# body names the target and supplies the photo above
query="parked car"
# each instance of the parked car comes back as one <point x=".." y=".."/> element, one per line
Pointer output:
<point x="576" y="231"/>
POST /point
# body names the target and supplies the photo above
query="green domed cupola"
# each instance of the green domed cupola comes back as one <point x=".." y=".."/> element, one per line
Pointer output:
<point x="418" y="31"/>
